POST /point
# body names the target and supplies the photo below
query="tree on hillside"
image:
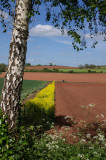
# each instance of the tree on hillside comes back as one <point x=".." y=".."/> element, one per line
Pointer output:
<point x="86" y="66"/>
<point x="69" y="15"/>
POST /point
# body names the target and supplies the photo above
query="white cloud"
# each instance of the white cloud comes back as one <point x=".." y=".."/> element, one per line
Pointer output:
<point x="3" y="14"/>
<point x="45" y="31"/>
<point x="68" y="42"/>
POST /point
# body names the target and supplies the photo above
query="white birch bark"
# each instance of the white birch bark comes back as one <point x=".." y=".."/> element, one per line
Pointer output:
<point x="10" y="102"/>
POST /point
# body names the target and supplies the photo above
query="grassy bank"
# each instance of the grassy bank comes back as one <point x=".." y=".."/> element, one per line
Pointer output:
<point x="83" y="70"/>
<point x="102" y="70"/>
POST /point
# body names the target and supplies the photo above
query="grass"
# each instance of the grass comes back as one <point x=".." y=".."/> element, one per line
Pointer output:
<point x="82" y="70"/>
<point x="104" y="67"/>
<point x="101" y="70"/>
<point x="29" y="86"/>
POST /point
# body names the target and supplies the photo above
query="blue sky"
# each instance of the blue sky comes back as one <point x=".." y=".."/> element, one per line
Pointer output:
<point x="46" y="44"/>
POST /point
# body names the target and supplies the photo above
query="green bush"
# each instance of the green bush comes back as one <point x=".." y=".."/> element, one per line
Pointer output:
<point x="71" y="71"/>
<point x="2" y="67"/>
<point x="45" y="70"/>
<point x="93" y="71"/>
<point x="89" y="71"/>
<point x="30" y="143"/>
<point x="55" y="70"/>
<point x="30" y="146"/>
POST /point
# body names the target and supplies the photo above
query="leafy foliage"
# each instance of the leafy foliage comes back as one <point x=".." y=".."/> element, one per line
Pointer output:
<point x="75" y="16"/>
<point x="72" y="17"/>
<point x="2" y="67"/>
<point x="28" y="144"/>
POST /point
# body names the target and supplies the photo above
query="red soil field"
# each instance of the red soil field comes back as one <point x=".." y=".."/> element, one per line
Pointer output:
<point x="70" y="96"/>
<point x="68" y="100"/>
<point x="50" y="67"/>
<point x="84" y="77"/>
<point x="67" y="77"/>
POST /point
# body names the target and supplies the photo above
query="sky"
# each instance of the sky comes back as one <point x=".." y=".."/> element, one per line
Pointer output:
<point x="47" y="45"/>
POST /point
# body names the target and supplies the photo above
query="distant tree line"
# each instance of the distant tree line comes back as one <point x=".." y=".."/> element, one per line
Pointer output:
<point x="88" y="66"/>
<point x="50" y="64"/>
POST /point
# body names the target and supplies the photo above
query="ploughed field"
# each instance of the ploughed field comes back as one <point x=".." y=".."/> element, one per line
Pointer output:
<point x="70" y="96"/>
<point x="99" y="77"/>
<point x="50" y="67"/>
<point x="87" y="77"/>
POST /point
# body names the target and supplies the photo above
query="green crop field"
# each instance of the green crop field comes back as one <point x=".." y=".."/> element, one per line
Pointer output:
<point x="29" y="86"/>
<point x="83" y="70"/>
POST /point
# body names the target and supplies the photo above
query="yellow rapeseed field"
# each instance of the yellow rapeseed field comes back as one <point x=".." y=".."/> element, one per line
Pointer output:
<point x="44" y="100"/>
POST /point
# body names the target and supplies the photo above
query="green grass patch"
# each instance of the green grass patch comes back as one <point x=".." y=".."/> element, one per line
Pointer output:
<point x="96" y="70"/>
<point x="83" y="70"/>
<point x="28" y="87"/>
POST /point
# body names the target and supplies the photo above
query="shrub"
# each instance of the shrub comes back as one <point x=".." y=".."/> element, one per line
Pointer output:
<point x="71" y="71"/>
<point x="56" y="70"/>
<point x="45" y="70"/>
<point x="2" y="67"/>
<point x="81" y="66"/>
<point x="93" y="71"/>
<point x="27" y="144"/>
<point x="89" y="71"/>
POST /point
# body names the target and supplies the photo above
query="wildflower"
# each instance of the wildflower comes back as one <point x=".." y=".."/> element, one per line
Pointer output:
<point x="80" y="155"/>
<point x="82" y="141"/>
<point x="101" y="137"/>
<point x="82" y="106"/>
<point x="74" y="136"/>
<point x="102" y="116"/>
<point x="95" y="153"/>
<point x="88" y="135"/>
<point x="97" y="116"/>
<point x="91" y="147"/>
<point x="91" y="105"/>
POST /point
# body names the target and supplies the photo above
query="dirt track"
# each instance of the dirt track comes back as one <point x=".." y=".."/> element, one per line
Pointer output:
<point x="87" y="77"/>
<point x="70" y="96"/>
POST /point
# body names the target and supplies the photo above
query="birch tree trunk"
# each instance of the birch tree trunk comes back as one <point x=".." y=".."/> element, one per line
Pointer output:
<point x="10" y="101"/>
